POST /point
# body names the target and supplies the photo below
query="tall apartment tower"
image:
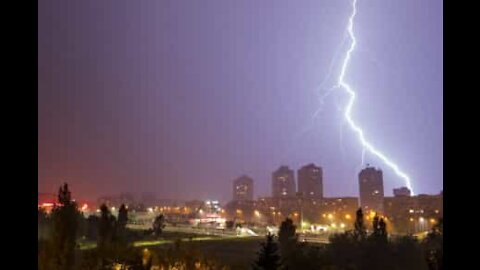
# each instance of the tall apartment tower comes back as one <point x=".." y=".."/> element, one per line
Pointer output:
<point x="371" y="189"/>
<point x="310" y="181"/>
<point x="243" y="189"/>
<point x="283" y="183"/>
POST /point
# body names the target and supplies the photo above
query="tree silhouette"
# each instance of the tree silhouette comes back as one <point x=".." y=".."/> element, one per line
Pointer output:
<point x="64" y="230"/>
<point x="375" y="226"/>
<point x="122" y="216"/>
<point x="268" y="258"/>
<point x="122" y="222"/>
<point x="360" y="231"/>
<point x="434" y="247"/>
<point x="106" y="228"/>
<point x="92" y="224"/>
<point x="382" y="228"/>
<point x="158" y="225"/>
<point x="287" y="239"/>
<point x="43" y="224"/>
<point x="64" y="195"/>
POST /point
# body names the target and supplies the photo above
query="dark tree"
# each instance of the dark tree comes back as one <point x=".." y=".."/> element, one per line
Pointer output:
<point x="106" y="228"/>
<point x="407" y="254"/>
<point x="43" y="224"/>
<point x="434" y="247"/>
<point x="122" y="216"/>
<point x="360" y="231"/>
<point x="64" y="230"/>
<point x="375" y="226"/>
<point x="382" y="228"/>
<point x="287" y="239"/>
<point x="64" y="195"/>
<point x="268" y="258"/>
<point x="158" y="225"/>
<point x="345" y="250"/>
<point x="122" y="221"/>
<point x="91" y="230"/>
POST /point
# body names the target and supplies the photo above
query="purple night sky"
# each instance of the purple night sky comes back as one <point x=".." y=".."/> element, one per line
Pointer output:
<point x="181" y="97"/>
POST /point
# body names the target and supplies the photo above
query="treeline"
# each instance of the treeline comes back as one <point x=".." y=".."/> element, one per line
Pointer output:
<point x="69" y="241"/>
<point x="108" y="243"/>
<point x="354" y="249"/>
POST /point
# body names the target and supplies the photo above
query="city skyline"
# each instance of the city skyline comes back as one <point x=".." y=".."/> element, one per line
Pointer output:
<point x="186" y="96"/>
<point x="244" y="186"/>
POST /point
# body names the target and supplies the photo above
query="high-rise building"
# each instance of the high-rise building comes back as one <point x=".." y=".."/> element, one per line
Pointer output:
<point x="283" y="182"/>
<point x="413" y="213"/>
<point x="371" y="189"/>
<point x="403" y="191"/>
<point x="243" y="189"/>
<point x="310" y="181"/>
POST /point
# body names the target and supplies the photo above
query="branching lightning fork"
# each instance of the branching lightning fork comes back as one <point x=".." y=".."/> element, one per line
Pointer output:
<point x="348" y="110"/>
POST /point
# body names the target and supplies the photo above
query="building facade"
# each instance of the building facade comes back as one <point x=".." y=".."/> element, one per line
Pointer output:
<point x="403" y="191"/>
<point x="412" y="214"/>
<point x="310" y="181"/>
<point x="243" y="189"/>
<point x="371" y="189"/>
<point x="283" y="183"/>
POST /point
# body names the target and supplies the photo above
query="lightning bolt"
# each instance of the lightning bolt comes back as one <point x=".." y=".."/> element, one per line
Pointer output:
<point x="367" y="146"/>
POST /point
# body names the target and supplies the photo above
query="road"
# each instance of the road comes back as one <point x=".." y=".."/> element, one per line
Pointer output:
<point x="323" y="239"/>
<point x="226" y="233"/>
